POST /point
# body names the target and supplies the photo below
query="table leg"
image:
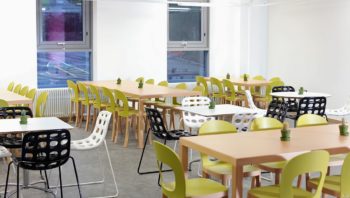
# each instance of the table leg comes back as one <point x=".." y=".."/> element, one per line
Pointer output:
<point x="140" y="127"/>
<point x="183" y="152"/>
<point x="237" y="181"/>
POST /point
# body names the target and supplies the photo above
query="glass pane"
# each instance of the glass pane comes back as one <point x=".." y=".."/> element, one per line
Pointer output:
<point x="185" y="23"/>
<point x="184" y="66"/>
<point x="62" y="20"/>
<point x="55" y="68"/>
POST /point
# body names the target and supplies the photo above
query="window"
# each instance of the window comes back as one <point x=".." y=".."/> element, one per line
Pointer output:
<point x="187" y="42"/>
<point x="64" y="49"/>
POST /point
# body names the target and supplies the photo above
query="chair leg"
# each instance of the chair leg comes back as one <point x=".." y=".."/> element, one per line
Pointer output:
<point x="117" y="129"/>
<point x="47" y="180"/>
<point x="111" y="166"/>
<point x="60" y="178"/>
<point x="7" y="178"/>
<point x="87" y="117"/>
<point x="76" y="113"/>
<point x="126" y="139"/>
<point x="114" y="115"/>
<point x="94" y="118"/>
<point x="76" y="176"/>
<point x="71" y="111"/>
<point x="82" y="114"/>
<point x="277" y="178"/>
<point x="18" y="181"/>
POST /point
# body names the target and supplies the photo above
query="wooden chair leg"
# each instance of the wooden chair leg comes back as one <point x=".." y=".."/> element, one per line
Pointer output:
<point x="300" y="178"/>
<point x="71" y="111"/>
<point x="258" y="181"/>
<point x="87" y="117"/>
<point x="117" y="129"/>
<point x="126" y="139"/>
<point x="77" y="113"/>
<point x="81" y="115"/>
<point x="114" y="116"/>
<point x="277" y="178"/>
<point x="136" y="120"/>
<point x="205" y="175"/>
<point x="94" y="118"/>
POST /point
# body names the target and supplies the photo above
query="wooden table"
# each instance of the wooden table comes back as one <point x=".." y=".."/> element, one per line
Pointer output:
<point x="15" y="99"/>
<point x="297" y="96"/>
<point x="253" y="148"/>
<point x="247" y="84"/>
<point x="130" y="88"/>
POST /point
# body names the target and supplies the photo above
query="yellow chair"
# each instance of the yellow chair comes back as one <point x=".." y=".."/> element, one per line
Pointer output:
<point x="230" y="92"/>
<point x="314" y="161"/>
<point x="3" y="103"/>
<point x="97" y="103"/>
<point x="256" y="90"/>
<point x="17" y="88"/>
<point x="124" y="111"/>
<point x="199" y="89"/>
<point x="150" y="81"/>
<point x="265" y="100"/>
<point x="74" y="101"/>
<point x="220" y="169"/>
<point x="157" y="100"/>
<point x="182" y="187"/>
<point x="111" y="106"/>
<point x="40" y="105"/>
<point x="31" y="94"/>
<point x="84" y="101"/>
<point x="217" y="90"/>
<point x="202" y="82"/>
<point x="10" y="86"/>
<point x="275" y="79"/>
<point x="23" y="91"/>
<point x="134" y="100"/>
<point x="337" y="185"/>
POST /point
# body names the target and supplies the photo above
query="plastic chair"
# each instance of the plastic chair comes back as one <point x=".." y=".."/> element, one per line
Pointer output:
<point x="97" y="103"/>
<point x="43" y="151"/>
<point x="199" y="89"/>
<point x="260" y="112"/>
<point x="10" y="86"/>
<point x="111" y="107"/>
<point x="342" y="111"/>
<point x="242" y="121"/>
<point x="17" y="88"/>
<point x="40" y="105"/>
<point x="74" y="100"/>
<point x="93" y="142"/>
<point x="314" y="161"/>
<point x="191" y="120"/>
<point x="220" y="169"/>
<point x="310" y="105"/>
<point x="230" y="92"/>
<point x="277" y="109"/>
<point x="217" y="90"/>
<point x="3" y="103"/>
<point x="337" y="185"/>
<point x="267" y="98"/>
<point x="202" y="82"/>
<point x="275" y="79"/>
<point x="292" y="102"/>
<point x="150" y="81"/>
<point x="183" y="187"/>
<point x="85" y="101"/>
<point x="31" y="94"/>
<point x="24" y="91"/>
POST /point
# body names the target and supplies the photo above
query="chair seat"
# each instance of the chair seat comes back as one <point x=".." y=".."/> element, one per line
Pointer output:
<point x="4" y="152"/>
<point x="331" y="183"/>
<point x="272" y="166"/>
<point x="199" y="187"/>
<point x="84" y="144"/>
<point x="273" y="191"/>
<point x="173" y="135"/>
<point x="223" y="168"/>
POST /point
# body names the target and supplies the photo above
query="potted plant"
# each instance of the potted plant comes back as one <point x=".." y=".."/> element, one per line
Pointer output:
<point x="228" y="76"/>
<point x="23" y="118"/>
<point x="245" y="77"/>
<point x="301" y="90"/>
<point x="285" y="132"/>
<point x="343" y="128"/>
<point x="211" y="104"/>
<point x="119" y="81"/>
<point x="140" y="84"/>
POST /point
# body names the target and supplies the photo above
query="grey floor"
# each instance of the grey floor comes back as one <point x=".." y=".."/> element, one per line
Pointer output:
<point x="124" y="160"/>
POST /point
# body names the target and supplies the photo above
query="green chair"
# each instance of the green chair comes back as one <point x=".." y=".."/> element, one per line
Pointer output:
<point x="337" y="185"/>
<point x="267" y="98"/>
<point x="275" y="79"/>
<point x="256" y="90"/>
<point x="139" y="79"/>
<point x="74" y="101"/>
<point x="230" y="93"/>
<point x="311" y="120"/>
<point x="17" y="88"/>
<point x="40" y="105"/>
<point x="10" y="86"/>
<point x="311" y="162"/>
<point x="150" y="81"/>
<point x="3" y="103"/>
<point x="203" y="82"/>
<point x="157" y="100"/>
<point x="97" y="103"/>
<point x="199" y="89"/>
<point x="124" y="111"/>
<point x="182" y="187"/>
<point x="31" y="94"/>
<point x="84" y="102"/>
<point x="220" y="169"/>
<point x="111" y="107"/>
<point x="24" y="91"/>
<point x="217" y="90"/>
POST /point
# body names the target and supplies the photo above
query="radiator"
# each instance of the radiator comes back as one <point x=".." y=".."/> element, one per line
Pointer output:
<point x="58" y="102"/>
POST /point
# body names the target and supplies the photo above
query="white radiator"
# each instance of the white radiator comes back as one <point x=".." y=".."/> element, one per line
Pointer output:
<point x="58" y="102"/>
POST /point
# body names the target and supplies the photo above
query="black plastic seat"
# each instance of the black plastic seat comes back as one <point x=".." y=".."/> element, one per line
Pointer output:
<point x="292" y="102"/>
<point x="43" y="151"/>
<point x="277" y="109"/>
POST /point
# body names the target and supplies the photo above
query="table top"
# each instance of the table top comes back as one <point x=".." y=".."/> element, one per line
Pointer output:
<point x="221" y="109"/>
<point x="34" y="124"/>
<point x="249" y="82"/>
<point x="130" y="88"/>
<point x="13" y="98"/>
<point x="296" y="94"/>
<point x="265" y="146"/>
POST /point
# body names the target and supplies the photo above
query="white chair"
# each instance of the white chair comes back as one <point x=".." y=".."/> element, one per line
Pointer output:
<point x="342" y="111"/>
<point x="191" y="120"/>
<point x="4" y="153"/>
<point x="96" y="139"/>
<point x="242" y="121"/>
<point x="260" y="112"/>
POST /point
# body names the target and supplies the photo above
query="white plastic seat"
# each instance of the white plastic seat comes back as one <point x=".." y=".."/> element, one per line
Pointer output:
<point x="342" y="111"/>
<point x="242" y="121"/>
<point x="96" y="139"/>
<point x="259" y="112"/>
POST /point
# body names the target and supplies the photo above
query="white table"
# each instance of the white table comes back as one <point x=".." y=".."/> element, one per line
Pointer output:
<point x="296" y="94"/>
<point x="219" y="110"/>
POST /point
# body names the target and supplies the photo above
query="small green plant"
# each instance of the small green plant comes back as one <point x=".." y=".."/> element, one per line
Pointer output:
<point x="343" y="128"/>
<point x="301" y="90"/>
<point x="212" y="104"/>
<point x="285" y="132"/>
<point x="228" y="76"/>
<point x="23" y="119"/>
<point x="119" y="81"/>
<point x="245" y="77"/>
<point x="140" y="84"/>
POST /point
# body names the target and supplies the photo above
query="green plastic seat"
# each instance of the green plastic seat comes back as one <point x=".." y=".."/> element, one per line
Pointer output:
<point x="217" y="89"/>
<point x="3" y="103"/>
<point x="40" y="105"/>
<point x="337" y="185"/>
<point x="311" y="162"/>
<point x="311" y="120"/>
<point x="24" y="91"/>
<point x="17" y="88"/>
<point x="111" y="106"/>
<point x="217" y="168"/>
<point x="10" y="86"/>
<point x="150" y="81"/>
<point x="202" y="82"/>
<point x="230" y="93"/>
<point x="182" y="187"/>
<point x="74" y="98"/>
<point x="84" y="101"/>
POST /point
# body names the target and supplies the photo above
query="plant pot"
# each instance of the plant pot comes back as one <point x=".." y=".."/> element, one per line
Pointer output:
<point x="343" y="129"/>
<point x="23" y="120"/>
<point x="212" y="105"/>
<point x="285" y="135"/>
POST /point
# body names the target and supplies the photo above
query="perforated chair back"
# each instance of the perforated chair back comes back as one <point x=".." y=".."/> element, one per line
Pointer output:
<point x="14" y="112"/>
<point x="242" y="121"/>
<point x="312" y="105"/>
<point x="277" y="109"/>
<point x="192" y="120"/>
<point x="45" y="149"/>
<point x="292" y="102"/>
<point x="283" y="89"/>
<point x="155" y="120"/>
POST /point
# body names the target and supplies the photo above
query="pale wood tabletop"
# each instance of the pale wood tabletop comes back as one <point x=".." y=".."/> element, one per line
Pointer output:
<point x="250" y="82"/>
<point x="15" y="99"/>
<point x="258" y="147"/>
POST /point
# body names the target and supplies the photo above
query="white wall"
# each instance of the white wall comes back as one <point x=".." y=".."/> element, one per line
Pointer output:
<point x="18" y="42"/>
<point x="309" y="45"/>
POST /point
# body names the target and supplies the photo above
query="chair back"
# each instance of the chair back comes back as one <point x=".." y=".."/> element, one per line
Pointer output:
<point x="40" y="105"/>
<point x="167" y="156"/>
<point x="201" y="81"/>
<point x="82" y="88"/>
<point x="311" y="120"/>
<point x="3" y="103"/>
<point x="10" y="86"/>
<point x="229" y="89"/>
<point x="99" y="133"/>
<point x="74" y="91"/>
<point x="345" y="177"/>
<point x="277" y="109"/>
<point x="14" y="112"/>
<point x="192" y="120"/>
<point x="179" y="86"/>
<point x="199" y="89"/>
<point x="96" y="94"/>
<point x="111" y="105"/>
<point x="45" y="149"/>
<point x="272" y="85"/>
<point x="150" y="81"/>
<point x="139" y="79"/>
<point x="311" y="162"/>
<point x="275" y="79"/>
<point x="292" y="102"/>
<point x="216" y="127"/>
<point x="17" y="88"/>
<point x="162" y="84"/>
<point x="265" y="123"/>
<point x="283" y="89"/>
<point x="312" y="105"/>
<point x="31" y="94"/>
<point x="250" y="100"/>
<point x="123" y="103"/>
<point x="216" y="86"/>
<point x="24" y="91"/>
<point x="156" y="123"/>
<point x="242" y="121"/>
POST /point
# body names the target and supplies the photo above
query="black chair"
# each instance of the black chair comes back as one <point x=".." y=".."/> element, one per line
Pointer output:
<point x="12" y="141"/>
<point x="292" y="102"/>
<point x="159" y="131"/>
<point x="311" y="105"/>
<point x="277" y="109"/>
<point x="43" y="151"/>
